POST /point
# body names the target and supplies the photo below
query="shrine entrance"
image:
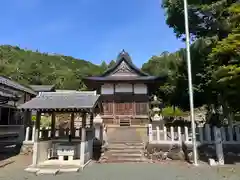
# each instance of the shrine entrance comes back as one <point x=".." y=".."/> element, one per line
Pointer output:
<point x="124" y="112"/>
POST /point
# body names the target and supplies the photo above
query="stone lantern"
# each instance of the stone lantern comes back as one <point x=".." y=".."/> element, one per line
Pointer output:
<point x="156" y="116"/>
<point x="98" y="121"/>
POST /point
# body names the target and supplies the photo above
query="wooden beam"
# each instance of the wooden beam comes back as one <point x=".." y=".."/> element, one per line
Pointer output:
<point x="72" y="124"/>
<point x="9" y="116"/>
<point x="53" y="123"/>
<point x="91" y="118"/>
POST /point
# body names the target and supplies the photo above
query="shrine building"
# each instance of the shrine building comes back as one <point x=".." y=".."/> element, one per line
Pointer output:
<point x="124" y="92"/>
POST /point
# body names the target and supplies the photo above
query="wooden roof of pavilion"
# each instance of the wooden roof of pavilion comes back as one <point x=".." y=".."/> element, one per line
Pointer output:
<point x="52" y="101"/>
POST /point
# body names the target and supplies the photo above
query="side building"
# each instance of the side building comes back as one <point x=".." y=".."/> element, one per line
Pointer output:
<point x="125" y="92"/>
<point x="13" y="94"/>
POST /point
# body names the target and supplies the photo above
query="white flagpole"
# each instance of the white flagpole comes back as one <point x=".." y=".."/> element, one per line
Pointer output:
<point x="190" y="84"/>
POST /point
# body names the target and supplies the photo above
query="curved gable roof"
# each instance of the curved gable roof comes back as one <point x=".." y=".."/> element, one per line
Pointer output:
<point x="124" y="57"/>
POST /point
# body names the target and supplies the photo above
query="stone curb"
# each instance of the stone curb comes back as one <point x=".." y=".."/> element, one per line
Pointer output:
<point x="42" y="171"/>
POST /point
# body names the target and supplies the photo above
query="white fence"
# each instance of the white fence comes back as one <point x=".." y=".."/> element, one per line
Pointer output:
<point x="204" y="135"/>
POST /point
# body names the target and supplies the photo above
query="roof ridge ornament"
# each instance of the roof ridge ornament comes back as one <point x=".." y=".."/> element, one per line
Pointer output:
<point x="124" y="55"/>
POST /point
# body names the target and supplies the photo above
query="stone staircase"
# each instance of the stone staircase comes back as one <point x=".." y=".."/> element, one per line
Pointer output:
<point x="124" y="145"/>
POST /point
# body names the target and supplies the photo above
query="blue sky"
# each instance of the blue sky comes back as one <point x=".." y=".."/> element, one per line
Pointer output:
<point x="93" y="30"/>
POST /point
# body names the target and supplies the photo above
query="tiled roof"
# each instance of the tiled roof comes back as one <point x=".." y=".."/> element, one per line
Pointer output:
<point x="74" y="91"/>
<point x="124" y="78"/>
<point x="15" y="85"/>
<point x="61" y="100"/>
<point x="42" y="88"/>
<point x="124" y="56"/>
<point x="7" y="95"/>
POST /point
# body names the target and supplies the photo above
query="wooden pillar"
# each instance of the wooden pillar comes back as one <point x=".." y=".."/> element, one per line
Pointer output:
<point x="0" y="114"/>
<point x="83" y="139"/>
<point x="36" y="139"/>
<point x="72" y="125"/>
<point x="114" y="106"/>
<point x="92" y="133"/>
<point x="91" y="119"/>
<point x="53" y="124"/>
<point x="113" y="112"/>
<point x="9" y="111"/>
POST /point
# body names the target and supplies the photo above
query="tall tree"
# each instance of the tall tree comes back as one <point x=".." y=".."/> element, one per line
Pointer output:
<point x="217" y="21"/>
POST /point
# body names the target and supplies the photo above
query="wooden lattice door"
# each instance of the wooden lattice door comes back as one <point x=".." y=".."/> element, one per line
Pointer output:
<point x="124" y="108"/>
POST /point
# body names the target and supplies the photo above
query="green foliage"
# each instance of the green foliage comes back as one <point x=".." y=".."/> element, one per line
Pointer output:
<point x="227" y="48"/>
<point x="172" y="112"/>
<point x="45" y="121"/>
<point x="206" y="18"/>
<point x="30" y="67"/>
<point x="111" y="64"/>
<point x="216" y="25"/>
<point x="175" y="90"/>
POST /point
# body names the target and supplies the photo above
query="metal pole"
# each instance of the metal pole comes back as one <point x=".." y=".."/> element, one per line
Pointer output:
<point x="190" y="84"/>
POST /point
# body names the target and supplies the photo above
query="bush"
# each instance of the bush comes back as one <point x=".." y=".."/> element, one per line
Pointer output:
<point x="169" y="112"/>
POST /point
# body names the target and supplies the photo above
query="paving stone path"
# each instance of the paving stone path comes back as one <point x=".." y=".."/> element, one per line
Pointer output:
<point x="123" y="134"/>
<point x="130" y="171"/>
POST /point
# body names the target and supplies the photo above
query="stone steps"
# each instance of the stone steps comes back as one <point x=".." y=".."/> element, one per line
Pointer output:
<point x="124" y="145"/>
<point x="123" y="160"/>
<point x="127" y="143"/>
<point x="124" y="152"/>
<point x="125" y="155"/>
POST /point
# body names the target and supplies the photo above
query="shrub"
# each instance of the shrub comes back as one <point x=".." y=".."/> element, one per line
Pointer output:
<point x="169" y="112"/>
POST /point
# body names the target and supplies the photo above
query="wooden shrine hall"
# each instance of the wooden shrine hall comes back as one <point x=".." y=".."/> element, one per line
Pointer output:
<point x="124" y="92"/>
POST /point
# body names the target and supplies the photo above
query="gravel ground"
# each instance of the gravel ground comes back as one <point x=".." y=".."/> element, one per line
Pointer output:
<point x="127" y="171"/>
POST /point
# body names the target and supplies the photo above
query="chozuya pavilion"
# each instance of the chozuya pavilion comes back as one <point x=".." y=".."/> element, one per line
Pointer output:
<point x="73" y="146"/>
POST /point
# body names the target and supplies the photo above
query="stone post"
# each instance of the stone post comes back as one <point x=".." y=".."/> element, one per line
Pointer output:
<point x="98" y="127"/>
<point x="219" y="146"/>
